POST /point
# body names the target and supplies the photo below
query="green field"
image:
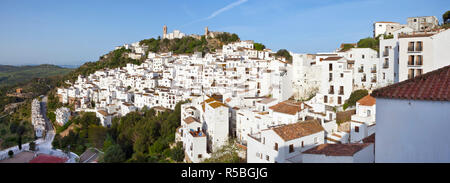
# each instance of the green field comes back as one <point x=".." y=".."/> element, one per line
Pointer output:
<point x="12" y="75"/>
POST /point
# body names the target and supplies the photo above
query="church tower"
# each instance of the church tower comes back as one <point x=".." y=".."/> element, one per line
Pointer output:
<point x="206" y="32"/>
<point x="164" y="31"/>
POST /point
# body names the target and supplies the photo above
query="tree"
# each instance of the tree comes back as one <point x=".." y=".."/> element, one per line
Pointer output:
<point x="97" y="135"/>
<point x="10" y="153"/>
<point x="226" y="154"/>
<point x="368" y="43"/>
<point x="19" y="142"/>
<point x="346" y="47"/>
<point x="355" y="96"/>
<point x="284" y="53"/>
<point x="446" y="17"/>
<point x="177" y="153"/>
<point x="258" y="46"/>
<point x="32" y="146"/>
<point x="114" y="154"/>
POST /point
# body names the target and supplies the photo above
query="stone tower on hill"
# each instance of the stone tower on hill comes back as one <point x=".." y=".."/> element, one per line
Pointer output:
<point x="164" y="31"/>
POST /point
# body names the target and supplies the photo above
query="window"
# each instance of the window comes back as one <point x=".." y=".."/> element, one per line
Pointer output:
<point x="419" y="60"/>
<point x="363" y="56"/>
<point x="419" y="46"/>
<point x="264" y="140"/>
<point x="342" y="75"/>
<point x="303" y="144"/>
<point x="369" y="112"/>
<point x="411" y="60"/>
<point x="325" y="99"/>
<point x="419" y="72"/>
<point x="411" y="46"/>
<point x="339" y="100"/>
<point x="315" y="140"/>
<point x="267" y="157"/>
<point x="411" y="73"/>
<point x="356" y="129"/>
<point x="276" y="147"/>
<point x="384" y="75"/>
<point x="291" y="148"/>
<point x="330" y="77"/>
<point x="330" y="67"/>
<point x="200" y="156"/>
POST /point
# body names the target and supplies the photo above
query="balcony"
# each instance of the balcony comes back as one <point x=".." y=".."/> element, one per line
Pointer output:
<point x="419" y="48"/>
<point x="361" y="69"/>
<point x="373" y="70"/>
<point x="385" y="65"/>
<point x="330" y="91"/>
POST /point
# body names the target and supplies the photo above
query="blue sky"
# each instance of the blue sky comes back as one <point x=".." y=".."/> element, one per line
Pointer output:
<point x="73" y="32"/>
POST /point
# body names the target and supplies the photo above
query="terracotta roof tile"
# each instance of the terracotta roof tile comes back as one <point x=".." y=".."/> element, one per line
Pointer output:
<point x="288" y="107"/>
<point x="369" y="139"/>
<point x="336" y="149"/>
<point x="299" y="129"/>
<point x="331" y="58"/>
<point x="433" y="85"/>
<point x="367" y="101"/>
<point x="190" y="119"/>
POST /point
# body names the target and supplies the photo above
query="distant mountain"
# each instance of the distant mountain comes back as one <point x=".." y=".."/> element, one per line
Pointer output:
<point x="69" y="66"/>
<point x="12" y="75"/>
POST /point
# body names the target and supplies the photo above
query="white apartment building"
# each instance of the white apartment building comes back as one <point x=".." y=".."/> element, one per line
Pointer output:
<point x="306" y="75"/>
<point x="364" y="63"/>
<point x="423" y="52"/>
<point x="285" y="143"/>
<point x="362" y="123"/>
<point x="423" y="23"/>
<point x="380" y="28"/>
<point x="336" y="81"/>
<point x="389" y="58"/>
<point x="62" y="115"/>
<point x="413" y="120"/>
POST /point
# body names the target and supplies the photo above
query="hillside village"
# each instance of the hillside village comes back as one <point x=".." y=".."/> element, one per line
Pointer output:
<point x="277" y="111"/>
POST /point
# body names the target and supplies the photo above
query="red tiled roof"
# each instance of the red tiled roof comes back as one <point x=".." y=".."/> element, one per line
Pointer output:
<point x="336" y="149"/>
<point x="190" y="119"/>
<point x="433" y="85"/>
<point x="299" y="129"/>
<point x="369" y="139"/>
<point x="367" y="101"/>
<point x="331" y="58"/>
<point x="43" y="158"/>
<point x="288" y="107"/>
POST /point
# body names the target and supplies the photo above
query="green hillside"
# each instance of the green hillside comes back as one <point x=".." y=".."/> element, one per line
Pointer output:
<point x="12" y="75"/>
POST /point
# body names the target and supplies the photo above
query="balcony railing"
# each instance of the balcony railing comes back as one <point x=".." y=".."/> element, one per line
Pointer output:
<point x="374" y="80"/>
<point x="363" y="79"/>
<point x="361" y="69"/>
<point x="373" y="70"/>
<point x="385" y="65"/>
